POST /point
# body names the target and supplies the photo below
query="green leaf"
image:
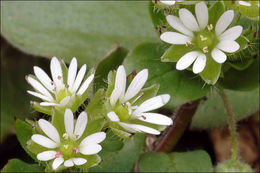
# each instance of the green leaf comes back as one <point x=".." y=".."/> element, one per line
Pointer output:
<point x="24" y="133"/>
<point x="211" y="72"/>
<point x="183" y="86"/>
<point x="92" y="160"/>
<point x="245" y="80"/>
<point x="122" y="160"/>
<point x="15" y="102"/>
<point x="156" y="162"/>
<point x="86" y="29"/>
<point x="175" y="52"/>
<point x="111" y="62"/>
<point x="16" y="165"/>
<point x="193" y="161"/>
<point x="211" y="113"/>
<point x="215" y="11"/>
<point x="112" y="142"/>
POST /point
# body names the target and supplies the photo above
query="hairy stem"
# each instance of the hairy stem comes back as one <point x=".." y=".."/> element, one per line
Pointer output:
<point x="181" y="121"/>
<point x="232" y="126"/>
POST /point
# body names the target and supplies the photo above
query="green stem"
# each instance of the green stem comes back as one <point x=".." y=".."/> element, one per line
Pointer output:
<point x="232" y="126"/>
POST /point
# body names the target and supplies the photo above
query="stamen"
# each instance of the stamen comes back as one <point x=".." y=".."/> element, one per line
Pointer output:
<point x="143" y="117"/>
<point x="141" y="95"/>
<point x="59" y="77"/>
<point x="205" y="49"/>
<point x="65" y="136"/>
<point x="188" y="43"/>
<point x="58" y="154"/>
<point x="203" y="38"/>
<point x="52" y="83"/>
<point x="54" y="89"/>
<point x="210" y="27"/>
<point x="76" y="136"/>
<point x="123" y="104"/>
<point x="66" y="146"/>
<point x="75" y="150"/>
<point x="67" y="86"/>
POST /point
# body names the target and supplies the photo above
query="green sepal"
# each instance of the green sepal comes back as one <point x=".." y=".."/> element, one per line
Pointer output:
<point x="175" y="52"/>
<point x="58" y="120"/>
<point x="35" y="148"/>
<point x="92" y="160"/>
<point x="93" y="126"/>
<point x="119" y="131"/>
<point x="43" y="109"/>
<point x="240" y="64"/>
<point x="64" y="71"/>
<point x="211" y="72"/>
<point x="111" y="83"/>
<point x="146" y="93"/>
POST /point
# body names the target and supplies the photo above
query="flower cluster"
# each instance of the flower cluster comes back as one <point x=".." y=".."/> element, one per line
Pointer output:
<point x="65" y="142"/>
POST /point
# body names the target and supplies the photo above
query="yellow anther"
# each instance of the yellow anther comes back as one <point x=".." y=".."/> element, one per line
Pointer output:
<point x="205" y="49"/>
<point x="65" y="136"/>
<point x="210" y="27"/>
<point x="188" y="43"/>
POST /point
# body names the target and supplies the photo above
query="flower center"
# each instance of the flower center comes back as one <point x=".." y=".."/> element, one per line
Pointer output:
<point x="62" y="94"/>
<point x="68" y="149"/>
<point x="206" y="39"/>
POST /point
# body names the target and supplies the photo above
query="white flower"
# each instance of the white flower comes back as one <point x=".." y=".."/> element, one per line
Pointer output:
<point x="244" y="3"/>
<point x="55" y="92"/>
<point x="120" y="97"/>
<point x="209" y="41"/>
<point x="67" y="150"/>
<point x="169" y="2"/>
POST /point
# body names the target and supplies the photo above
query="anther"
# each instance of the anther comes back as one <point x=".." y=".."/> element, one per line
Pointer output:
<point x="52" y="82"/>
<point x="123" y="104"/>
<point x="57" y="155"/>
<point x="67" y="86"/>
<point x="205" y="49"/>
<point x="65" y="136"/>
<point x="59" y="77"/>
<point x="143" y="117"/>
<point x="54" y="89"/>
<point x="210" y="27"/>
<point x="188" y="43"/>
<point x="203" y="38"/>
<point x="75" y="150"/>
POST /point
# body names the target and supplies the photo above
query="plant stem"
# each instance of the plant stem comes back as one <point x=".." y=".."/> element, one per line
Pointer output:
<point x="181" y="121"/>
<point x="232" y="126"/>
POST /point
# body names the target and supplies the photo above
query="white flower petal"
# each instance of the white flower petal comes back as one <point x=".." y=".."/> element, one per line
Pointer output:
<point x="92" y="139"/>
<point x="188" y="20"/>
<point x="152" y="104"/>
<point x="186" y="60"/>
<point x="156" y="118"/>
<point x="56" y="73"/>
<point x="44" y="78"/>
<point x="49" y="130"/>
<point x="57" y="162"/>
<point x="120" y="83"/>
<point x="168" y="2"/>
<point x="232" y="33"/>
<point x="81" y="124"/>
<point x="78" y="79"/>
<point x="199" y="64"/>
<point x="228" y="46"/>
<point x="44" y="141"/>
<point x="218" y="55"/>
<point x="90" y="149"/>
<point x="244" y="3"/>
<point x="38" y="87"/>
<point x="79" y="161"/>
<point x="65" y="101"/>
<point x="177" y="24"/>
<point x="69" y="163"/>
<point x="72" y="72"/>
<point x="48" y="104"/>
<point x="224" y="21"/>
<point x="136" y="85"/>
<point x="85" y="85"/>
<point x="43" y="97"/>
<point x="202" y="14"/>
<point x="69" y="122"/>
<point x="46" y="155"/>
<point x="174" y="38"/>
<point x="113" y="117"/>
<point x="139" y="128"/>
